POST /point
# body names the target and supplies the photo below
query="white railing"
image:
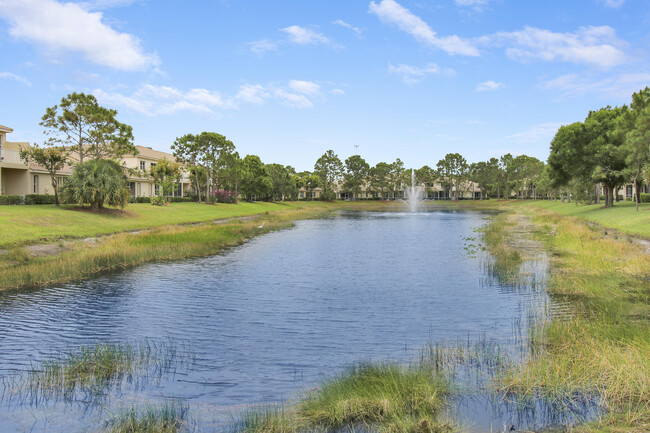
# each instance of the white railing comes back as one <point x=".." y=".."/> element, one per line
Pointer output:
<point x="12" y="156"/>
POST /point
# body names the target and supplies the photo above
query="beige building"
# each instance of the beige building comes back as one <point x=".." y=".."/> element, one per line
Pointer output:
<point x="20" y="178"/>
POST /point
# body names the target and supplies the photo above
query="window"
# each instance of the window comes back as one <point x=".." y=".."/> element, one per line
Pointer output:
<point x="153" y="164"/>
<point x="143" y="165"/>
<point x="156" y="188"/>
<point x="59" y="180"/>
<point x="35" y="190"/>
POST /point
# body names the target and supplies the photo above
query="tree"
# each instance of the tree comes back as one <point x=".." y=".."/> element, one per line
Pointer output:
<point x="634" y="126"/>
<point x="87" y="128"/>
<point x="282" y="183"/>
<point x="604" y="146"/>
<point x="187" y="149"/>
<point x="214" y="151"/>
<point x="356" y="173"/>
<point x="255" y="179"/>
<point x="487" y="174"/>
<point x="198" y="179"/>
<point x="397" y="171"/>
<point x="427" y="176"/>
<point x="51" y="158"/>
<point x="380" y="179"/>
<point x="453" y="170"/>
<point x="97" y="182"/>
<point x="329" y="169"/>
<point x="166" y="173"/>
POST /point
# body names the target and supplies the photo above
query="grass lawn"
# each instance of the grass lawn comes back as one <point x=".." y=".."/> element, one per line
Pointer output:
<point x="622" y="216"/>
<point x="43" y="223"/>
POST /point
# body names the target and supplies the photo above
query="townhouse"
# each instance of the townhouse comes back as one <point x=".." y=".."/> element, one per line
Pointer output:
<point x="20" y="178"/>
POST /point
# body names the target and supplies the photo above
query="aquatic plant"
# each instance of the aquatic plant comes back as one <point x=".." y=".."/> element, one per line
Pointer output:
<point x="171" y="417"/>
<point x="96" y="368"/>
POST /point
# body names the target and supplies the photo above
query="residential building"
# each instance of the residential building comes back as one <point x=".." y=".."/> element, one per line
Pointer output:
<point x="19" y="178"/>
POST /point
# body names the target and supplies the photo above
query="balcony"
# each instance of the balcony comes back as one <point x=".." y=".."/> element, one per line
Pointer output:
<point x="11" y="157"/>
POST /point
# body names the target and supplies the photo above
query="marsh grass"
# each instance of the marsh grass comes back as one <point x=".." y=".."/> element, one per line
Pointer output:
<point x="93" y="370"/>
<point x="124" y="250"/>
<point x="381" y="397"/>
<point x="602" y="352"/>
<point x="171" y="417"/>
<point x="505" y="260"/>
<point x="18" y="255"/>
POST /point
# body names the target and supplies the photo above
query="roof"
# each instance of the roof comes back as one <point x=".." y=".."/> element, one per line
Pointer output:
<point x="5" y="129"/>
<point x="147" y="152"/>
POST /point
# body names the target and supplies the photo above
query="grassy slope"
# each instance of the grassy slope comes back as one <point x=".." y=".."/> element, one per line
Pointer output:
<point x="43" y="223"/>
<point x="622" y="216"/>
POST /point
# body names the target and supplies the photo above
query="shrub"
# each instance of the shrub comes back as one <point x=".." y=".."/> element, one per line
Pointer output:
<point x="158" y="200"/>
<point x="10" y="199"/>
<point x="39" y="199"/>
<point x="645" y="198"/>
<point x="223" y="196"/>
<point x="98" y="182"/>
<point x="181" y="199"/>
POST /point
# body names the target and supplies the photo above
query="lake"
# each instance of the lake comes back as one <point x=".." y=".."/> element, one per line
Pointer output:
<point x="271" y="318"/>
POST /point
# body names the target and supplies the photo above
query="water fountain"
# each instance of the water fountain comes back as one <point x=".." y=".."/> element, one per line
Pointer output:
<point x="414" y="194"/>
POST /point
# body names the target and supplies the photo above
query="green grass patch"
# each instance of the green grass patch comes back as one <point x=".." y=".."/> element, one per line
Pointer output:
<point x="622" y="216"/>
<point x="169" y="418"/>
<point x="47" y="223"/>
<point x="381" y="397"/>
<point x="96" y="368"/>
<point x="602" y="349"/>
<point x="125" y="250"/>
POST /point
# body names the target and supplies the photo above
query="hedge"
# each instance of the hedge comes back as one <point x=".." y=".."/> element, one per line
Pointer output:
<point x="10" y="199"/>
<point x="645" y="198"/>
<point x="39" y="199"/>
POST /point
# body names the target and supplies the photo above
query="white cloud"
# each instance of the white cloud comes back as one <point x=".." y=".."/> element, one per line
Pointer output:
<point x="543" y="133"/>
<point x="342" y="23"/>
<point x="595" y="45"/>
<point x="253" y="93"/>
<point x="338" y="92"/>
<point x="153" y="100"/>
<point x="613" y="3"/>
<point x="293" y="99"/>
<point x="304" y="36"/>
<point x="68" y="27"/>
<point x="489" y="86"/>
<point x="391" y="12"/>
<point x="477" y="5"/>
<point x="14" y="77"/>
<point x="263" y="45"/>
<point x="414" y="74"/>
<point x="619" y="86"/>
<point x="305" y="87"/>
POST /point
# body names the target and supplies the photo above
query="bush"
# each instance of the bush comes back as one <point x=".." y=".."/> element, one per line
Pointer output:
<point x="139" y="199"/>
<point x="39" y="199"/>
<point x="223" y="196"/>
<point x="158" y="200"/>
<point x="10" y="200"/>
<point x="645" y="198"/>
<point x="97" y="182"/>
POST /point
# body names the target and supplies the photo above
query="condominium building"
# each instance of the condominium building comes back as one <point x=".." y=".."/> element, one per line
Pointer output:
<point x="19" y="178"/>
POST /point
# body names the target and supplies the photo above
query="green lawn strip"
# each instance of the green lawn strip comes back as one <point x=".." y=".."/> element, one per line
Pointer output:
<point x="46" y="223"/>
<point x="622" y="217"/>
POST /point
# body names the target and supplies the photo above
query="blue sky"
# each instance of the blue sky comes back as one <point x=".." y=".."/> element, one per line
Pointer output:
<point x="287" y="80"/>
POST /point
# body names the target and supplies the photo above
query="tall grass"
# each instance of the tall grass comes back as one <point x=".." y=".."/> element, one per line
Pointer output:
<point x="603" y="351"/>
<point x="506" y="260"/>
<point x="94" y="369"/>
<point x="126" y="250"/>
<point x="381" y="397"/>
<point x="171" y="417"/>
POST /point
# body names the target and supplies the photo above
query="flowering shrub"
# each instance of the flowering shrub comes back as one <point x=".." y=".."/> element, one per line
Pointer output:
<point x="223" y="196"/>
